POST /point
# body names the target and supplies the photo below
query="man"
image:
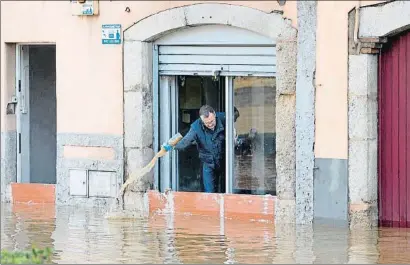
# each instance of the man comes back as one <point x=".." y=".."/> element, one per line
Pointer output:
<point x="209" y="134"/>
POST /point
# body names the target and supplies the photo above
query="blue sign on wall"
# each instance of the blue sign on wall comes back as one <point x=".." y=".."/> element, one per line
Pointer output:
<point x="111" y="34"/>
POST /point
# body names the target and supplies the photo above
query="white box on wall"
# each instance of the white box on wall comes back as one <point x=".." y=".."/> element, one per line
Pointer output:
<point x="102" y="184"/>
<point x="84" y="8"/>
<point x="78" y="182"/>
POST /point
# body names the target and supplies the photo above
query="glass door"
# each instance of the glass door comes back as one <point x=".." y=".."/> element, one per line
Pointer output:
<point x="180" y="98"/>
<point x="194" y="92"/>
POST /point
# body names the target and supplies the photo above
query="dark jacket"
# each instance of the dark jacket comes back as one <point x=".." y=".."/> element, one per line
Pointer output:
<point x="210" y="144"/>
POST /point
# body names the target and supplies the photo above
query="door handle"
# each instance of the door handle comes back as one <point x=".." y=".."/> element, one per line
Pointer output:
<point x="19" y="143"/>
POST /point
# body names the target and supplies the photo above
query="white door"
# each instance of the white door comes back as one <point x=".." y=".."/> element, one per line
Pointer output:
<point x="22" y="113"/>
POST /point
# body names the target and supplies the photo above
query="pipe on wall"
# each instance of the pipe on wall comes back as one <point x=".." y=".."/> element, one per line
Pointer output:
<point x="356" y="23"/>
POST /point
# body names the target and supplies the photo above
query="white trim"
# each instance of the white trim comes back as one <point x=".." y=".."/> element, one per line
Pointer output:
<point x="229" y="151"/>
<point x="167" y="129"/>
<point x="174" y="94"/>
<point x="18" y="113"/>
<point x="223" y="73"/>
<point x="155" y="110"/>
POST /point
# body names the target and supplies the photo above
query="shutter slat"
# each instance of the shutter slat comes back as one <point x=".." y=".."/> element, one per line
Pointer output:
<point x="220" y="59"/>
<point x="217" y="50"/>
<point x="207" y="59"/>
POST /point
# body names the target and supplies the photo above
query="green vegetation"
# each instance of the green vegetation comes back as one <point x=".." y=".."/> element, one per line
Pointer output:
<point x="35" y="256"/>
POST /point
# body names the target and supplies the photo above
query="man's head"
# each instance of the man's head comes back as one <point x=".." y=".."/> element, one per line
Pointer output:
<point x="208" y="117"/>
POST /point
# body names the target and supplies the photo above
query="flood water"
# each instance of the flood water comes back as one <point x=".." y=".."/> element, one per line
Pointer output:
<point x="82" y="235"/>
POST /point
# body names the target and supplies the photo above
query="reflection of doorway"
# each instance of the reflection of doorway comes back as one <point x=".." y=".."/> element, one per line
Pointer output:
<point x="193" y="92"/>
<point x="36" y="113"/>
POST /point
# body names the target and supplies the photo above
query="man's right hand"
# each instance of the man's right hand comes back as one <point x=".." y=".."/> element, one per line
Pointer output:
<point x="167" y="147"/>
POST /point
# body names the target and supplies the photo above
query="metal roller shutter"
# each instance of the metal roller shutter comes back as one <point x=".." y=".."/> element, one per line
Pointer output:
<point x="205" y="60"/>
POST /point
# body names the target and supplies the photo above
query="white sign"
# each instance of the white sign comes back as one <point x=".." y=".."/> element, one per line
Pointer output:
<point x="111" y="34"/>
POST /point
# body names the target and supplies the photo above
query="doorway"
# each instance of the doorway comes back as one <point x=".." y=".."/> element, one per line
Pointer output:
<point x="36" y="113"/>
<point x="180" y="100"/>
<point x="193" y="92"/>
<point x="250" y="131"/>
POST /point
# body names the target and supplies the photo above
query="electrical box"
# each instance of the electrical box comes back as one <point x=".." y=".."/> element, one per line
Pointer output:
<point x="84" y="7"/>
<point x="78" y="182"/>
<point x="102" y="183"/>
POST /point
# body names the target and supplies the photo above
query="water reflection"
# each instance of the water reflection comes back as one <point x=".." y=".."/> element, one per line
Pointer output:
<point x="82" y="235"/>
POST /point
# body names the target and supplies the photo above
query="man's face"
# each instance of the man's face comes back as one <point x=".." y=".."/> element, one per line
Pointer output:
<point x="209" y="122"/>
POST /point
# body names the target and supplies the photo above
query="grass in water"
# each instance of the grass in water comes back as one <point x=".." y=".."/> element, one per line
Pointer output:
<point x="35" y="256"/>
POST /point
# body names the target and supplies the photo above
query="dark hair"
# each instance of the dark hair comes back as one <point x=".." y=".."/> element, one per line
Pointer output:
<point x="205" y="110"/>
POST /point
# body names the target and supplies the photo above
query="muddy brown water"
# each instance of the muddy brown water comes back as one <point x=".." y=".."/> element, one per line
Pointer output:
<point x="83" y="235"/>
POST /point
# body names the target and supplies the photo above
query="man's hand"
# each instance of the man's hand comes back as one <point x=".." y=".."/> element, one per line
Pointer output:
<point x="167" y="147"/>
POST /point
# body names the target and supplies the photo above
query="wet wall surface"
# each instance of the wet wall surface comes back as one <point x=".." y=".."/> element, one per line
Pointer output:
<point x="82" y="235"/>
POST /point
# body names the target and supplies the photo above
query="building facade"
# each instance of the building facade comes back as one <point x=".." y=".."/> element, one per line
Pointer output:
<point x="90" y="90"/>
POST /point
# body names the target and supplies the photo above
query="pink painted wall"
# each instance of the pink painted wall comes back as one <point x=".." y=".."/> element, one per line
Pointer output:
<point x="89" y="74"/>
<point x="332" y="77"/>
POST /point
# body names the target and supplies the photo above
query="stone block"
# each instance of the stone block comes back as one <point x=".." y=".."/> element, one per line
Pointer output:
<point x="363" y="215"/>
<point x="271" y="24"/>
<point x="372" y="119"/>
<point x="376" y="21"/>
<point x="285" y="183"/>
<point x="285" y="132"/>
<point x="133" y="105"/>
<point x="358" y="170"/>
<point x="136" y="159"/>
<point x="358" y="75"/>
<point x="138" y="119"/>
<point x="155" y="26"/>
<point x="286" y="52"/>
<point x="285" y="211"/>
<point x="358" y="128"/>
<point x="363" y="75"/>
<point x="137" y="65"/>
<point x="372" y="174"/>
<point x="362" y="118"/>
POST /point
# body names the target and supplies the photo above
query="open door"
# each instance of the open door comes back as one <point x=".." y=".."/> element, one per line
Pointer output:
<point x="36" y="113"/>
